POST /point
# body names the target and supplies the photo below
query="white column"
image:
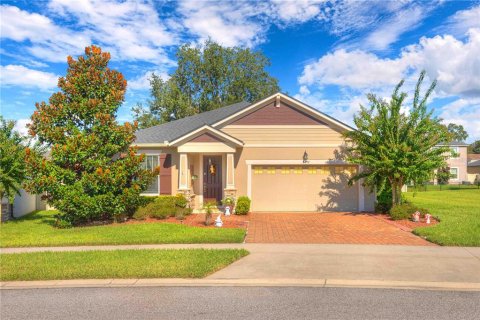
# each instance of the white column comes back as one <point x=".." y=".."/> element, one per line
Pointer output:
<point x="183" y="172"/>
<point x="230" y="171"/>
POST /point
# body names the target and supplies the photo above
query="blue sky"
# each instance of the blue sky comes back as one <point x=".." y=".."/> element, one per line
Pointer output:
<point x="329" y="54"/>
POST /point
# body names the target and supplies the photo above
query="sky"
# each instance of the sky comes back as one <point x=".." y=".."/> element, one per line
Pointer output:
<point x="328" y="54"/>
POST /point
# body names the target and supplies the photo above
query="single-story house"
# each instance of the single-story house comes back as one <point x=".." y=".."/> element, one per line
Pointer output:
<point x="281" y="153"/>
<point x="473" y="170"/>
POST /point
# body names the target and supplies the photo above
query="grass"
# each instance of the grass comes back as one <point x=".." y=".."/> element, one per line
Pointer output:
<point x="431" y="187"/>
<point x="459" y="213"/>
<point x="188" y="263"/>
<point x="36" y="230"/>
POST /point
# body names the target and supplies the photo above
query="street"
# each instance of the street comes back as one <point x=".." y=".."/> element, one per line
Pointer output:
<point x="237" y="303"/>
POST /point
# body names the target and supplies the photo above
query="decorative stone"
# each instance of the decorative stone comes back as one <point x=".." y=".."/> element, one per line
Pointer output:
<point x="227" y="211"/>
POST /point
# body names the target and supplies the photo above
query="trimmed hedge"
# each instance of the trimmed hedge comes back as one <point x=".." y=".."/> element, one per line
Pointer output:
<point x="162" y="207"/>
<point x="243" y="205"/>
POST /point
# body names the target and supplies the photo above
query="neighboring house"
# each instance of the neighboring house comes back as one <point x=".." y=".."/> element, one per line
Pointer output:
<point x="283" y="154"/>
<point x="22" y="205"/>
<point x="473" y="168"/>
<point x="457" y="163"/>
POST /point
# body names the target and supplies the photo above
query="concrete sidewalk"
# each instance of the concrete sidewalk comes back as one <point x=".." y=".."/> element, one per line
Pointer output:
<point x="320" y="264"/>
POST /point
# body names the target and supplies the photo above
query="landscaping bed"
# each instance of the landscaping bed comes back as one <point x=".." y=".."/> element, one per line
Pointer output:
<point x="124" y="264"/>
<point x="36" y="230"/>
<point x="407" y="224"/>
<point x="198" y="220"/>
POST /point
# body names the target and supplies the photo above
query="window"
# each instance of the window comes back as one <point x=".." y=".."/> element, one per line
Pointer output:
<point x="150" y="163"/>
<point x="455" y="152"/>
<point x="454" y="173"/>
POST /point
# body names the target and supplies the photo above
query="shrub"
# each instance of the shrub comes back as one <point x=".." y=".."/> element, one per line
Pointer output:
<point x="405" y="211"/>
<point x="384" y="201"/>
<point x="243" y="205"/>
<point x="181" y="201"/>
<point x="160" y="207"/>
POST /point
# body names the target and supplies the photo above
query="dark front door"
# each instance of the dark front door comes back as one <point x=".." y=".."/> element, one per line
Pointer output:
<point x="212" y="178"/>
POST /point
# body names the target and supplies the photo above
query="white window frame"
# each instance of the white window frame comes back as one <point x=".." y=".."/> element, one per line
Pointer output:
<point x="158" y="176"/>
<point x="458" y="173"/>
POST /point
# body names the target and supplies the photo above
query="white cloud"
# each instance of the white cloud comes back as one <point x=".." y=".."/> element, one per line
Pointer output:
<point x="463" y="20"/>
<point x="143" y="81"/>
<point x="49" y="41"/>
<point x="290" y="11"/>
<point x="21" y="126"/>
<point x="465" y="112"/>
<point x="229" y="23"/>
<point x="17" y="75"/>
<point x="454" y="63"/>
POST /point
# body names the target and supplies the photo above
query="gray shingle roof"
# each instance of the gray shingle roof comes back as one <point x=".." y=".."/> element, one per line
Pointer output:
<point x="175" y="129"/>
<point x="454" y="143"/>
<point x="474" y="163"/>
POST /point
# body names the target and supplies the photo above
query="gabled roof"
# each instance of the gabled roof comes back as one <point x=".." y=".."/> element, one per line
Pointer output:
<point x="173" y="130"/>
<point x="206" y="128"/>
<point x="164" y="134"/>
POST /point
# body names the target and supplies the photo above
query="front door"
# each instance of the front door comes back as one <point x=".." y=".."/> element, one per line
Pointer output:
<point x="212" y="178"/>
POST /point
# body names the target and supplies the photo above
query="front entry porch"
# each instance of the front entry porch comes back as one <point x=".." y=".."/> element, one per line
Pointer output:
<point x="206" y="177"/>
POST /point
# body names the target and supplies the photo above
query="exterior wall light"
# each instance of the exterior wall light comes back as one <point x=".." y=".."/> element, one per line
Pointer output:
<point x="305" y="157"/>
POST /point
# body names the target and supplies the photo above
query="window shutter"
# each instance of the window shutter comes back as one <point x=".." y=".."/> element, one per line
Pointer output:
<point x="165" y="173"/>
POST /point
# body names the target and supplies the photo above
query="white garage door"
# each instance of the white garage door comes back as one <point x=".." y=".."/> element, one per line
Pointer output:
<point x="303" y="188"/>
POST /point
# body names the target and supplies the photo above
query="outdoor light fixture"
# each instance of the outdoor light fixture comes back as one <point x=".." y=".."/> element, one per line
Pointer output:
<point x="305" y="157"/>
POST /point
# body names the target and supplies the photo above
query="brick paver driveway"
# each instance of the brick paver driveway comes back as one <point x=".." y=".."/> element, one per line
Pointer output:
<point x="334" y="227"/>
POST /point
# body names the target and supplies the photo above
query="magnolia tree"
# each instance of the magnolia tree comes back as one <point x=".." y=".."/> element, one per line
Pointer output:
<point x="91" y="172"/>
<point x="395" y="147"/>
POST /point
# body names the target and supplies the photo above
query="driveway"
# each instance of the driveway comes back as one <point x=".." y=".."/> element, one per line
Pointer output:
<point x="331" y="227"/>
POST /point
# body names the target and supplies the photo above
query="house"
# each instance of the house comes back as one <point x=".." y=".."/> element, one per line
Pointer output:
<point x="281" y="153"/>
<point x="23" y="204"/>
<point x="457" y="163"/>
<point x="473" y="167"/>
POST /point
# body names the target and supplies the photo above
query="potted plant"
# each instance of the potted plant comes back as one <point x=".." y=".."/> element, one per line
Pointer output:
<point x="228" y="203"/>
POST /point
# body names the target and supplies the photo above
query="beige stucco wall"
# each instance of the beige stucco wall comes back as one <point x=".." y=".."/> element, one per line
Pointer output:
<point x="460" y="163"/>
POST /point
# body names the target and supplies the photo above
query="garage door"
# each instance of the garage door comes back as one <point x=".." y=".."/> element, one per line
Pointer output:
<point x="303" y="188"/>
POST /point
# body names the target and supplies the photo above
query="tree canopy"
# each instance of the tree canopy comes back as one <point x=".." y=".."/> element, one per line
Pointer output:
<point x="12" y="163"/>
<point x="395" y="147"/>
<point x="207" y="77"/>
<point x="474" y="147"/>
<point x="457" y="132"/>
<point x="92" y="172"/>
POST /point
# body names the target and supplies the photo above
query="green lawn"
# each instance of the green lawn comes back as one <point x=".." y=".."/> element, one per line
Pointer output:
<point x="189" y="263"/>
<point x="459" y="213"/>
<point x="36" y="230"/>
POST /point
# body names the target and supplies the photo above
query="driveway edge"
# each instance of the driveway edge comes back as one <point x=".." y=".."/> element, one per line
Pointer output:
<point x="323" y="283"/>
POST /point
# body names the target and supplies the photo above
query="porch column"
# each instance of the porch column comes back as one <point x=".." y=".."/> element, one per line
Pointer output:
<point x="183" y="172"/>
<point x="230" y="190"/>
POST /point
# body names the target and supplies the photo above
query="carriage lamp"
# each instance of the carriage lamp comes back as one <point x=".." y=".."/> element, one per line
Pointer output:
<point x="305" y="157"/>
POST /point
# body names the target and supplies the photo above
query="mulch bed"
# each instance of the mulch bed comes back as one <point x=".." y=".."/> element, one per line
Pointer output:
<point x="198" y="220"/>
<point x="406" y="225"/>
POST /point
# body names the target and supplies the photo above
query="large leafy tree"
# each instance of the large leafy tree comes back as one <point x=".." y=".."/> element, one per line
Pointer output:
<point x="12" y="163"/>
<point x="395" y="147"/>
<point x="92" y="172"/>
<point x="207" y="77"/>
<point x="474" y="147"/>
<point x="457" y="132"/>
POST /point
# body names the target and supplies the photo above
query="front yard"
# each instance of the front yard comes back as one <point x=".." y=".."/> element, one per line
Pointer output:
<point x="119" y="264"/>
<point x="459" y="213"/>
<point x="36" y="230"/>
